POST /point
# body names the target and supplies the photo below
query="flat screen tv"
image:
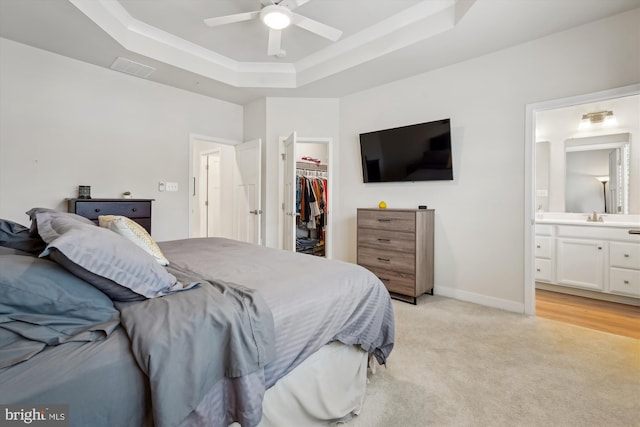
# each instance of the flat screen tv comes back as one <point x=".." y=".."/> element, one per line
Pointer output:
<point x="420" y="152"/>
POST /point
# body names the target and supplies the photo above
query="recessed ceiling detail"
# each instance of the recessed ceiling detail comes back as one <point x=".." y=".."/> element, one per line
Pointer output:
<point x="419" y="22"/>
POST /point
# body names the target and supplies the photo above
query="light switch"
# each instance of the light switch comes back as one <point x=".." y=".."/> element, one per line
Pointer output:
<point x="172" y="186"/>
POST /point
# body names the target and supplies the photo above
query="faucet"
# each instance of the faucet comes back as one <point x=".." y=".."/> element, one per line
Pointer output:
<point x="594" y="217"/>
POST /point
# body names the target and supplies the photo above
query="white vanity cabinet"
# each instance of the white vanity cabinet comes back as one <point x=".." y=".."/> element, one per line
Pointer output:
<point x="580" y="262"/>
<point x="544" y="250"/>
<point x="603" y="259"/>
<point x="624" y="268"/>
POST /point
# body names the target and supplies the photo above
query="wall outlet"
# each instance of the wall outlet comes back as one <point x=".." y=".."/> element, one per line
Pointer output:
<point x="172" y="186"/>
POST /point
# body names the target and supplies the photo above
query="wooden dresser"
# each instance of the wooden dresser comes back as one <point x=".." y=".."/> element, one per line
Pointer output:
<point x="138" y="210"/>
<point x="397" y="246"/>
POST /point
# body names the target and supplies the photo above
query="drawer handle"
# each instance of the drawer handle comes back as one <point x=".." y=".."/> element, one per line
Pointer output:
<point x="626" y="282"/>
<point x="134" y="209"/>
<point x="384" y="240"/>
<point x="538" y="270"/>
<point x="599" y="248"/>
<point x="634" y="231"/>
<point x="383" y="220"/>
<point x="626" y="255"/>
<point x="538" y="246"/>
<point x="97" y="209"/>
<point x="384" y="259"/>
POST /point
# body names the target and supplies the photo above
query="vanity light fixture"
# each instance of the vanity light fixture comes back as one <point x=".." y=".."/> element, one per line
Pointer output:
<point x="604" y="118"/>
<point x="276" y="17"/>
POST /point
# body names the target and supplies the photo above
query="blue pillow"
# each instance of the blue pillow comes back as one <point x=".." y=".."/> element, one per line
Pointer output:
<point x="44" y="304"/>
<point x="16" y="236"/>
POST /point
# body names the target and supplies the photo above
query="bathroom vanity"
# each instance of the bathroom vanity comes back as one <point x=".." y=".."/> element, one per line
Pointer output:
<point x="600" y="257"/>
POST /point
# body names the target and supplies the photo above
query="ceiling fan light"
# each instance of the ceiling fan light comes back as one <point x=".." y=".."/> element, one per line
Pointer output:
<point x="276" y="17"/>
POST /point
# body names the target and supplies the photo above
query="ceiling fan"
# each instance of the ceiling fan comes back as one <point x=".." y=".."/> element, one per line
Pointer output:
<point x="278" y="15"/>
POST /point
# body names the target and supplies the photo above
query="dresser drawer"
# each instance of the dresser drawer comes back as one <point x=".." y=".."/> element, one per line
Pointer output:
<point x="400" y="283"/>
<point x="387" y="260"/>
<point x="131" y="209"/>
<point x="624" y="281"/>
<point x="387" y="240"/>
<point x="387" y="220"/>
<point x="625" y="255"/>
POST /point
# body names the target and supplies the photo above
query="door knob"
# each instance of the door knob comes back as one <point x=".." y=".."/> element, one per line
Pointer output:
<point x="256" y="211"/>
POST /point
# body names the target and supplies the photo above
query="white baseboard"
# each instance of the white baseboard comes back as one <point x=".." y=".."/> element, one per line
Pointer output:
<point x="488" y="301"/>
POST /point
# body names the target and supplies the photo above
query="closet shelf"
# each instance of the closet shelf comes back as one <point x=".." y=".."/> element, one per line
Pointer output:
<point x="311" y="166"/>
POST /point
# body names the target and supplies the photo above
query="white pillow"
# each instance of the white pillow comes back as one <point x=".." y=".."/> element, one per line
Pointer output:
<point x="135" y="232"/>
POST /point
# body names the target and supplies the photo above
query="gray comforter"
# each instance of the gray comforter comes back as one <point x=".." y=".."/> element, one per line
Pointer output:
<point x="313" y="301"/>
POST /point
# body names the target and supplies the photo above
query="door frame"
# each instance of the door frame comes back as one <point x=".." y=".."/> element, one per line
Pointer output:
<point x="330" y="179"/>
<point x="193" y="137"/>
<point x="530" y="177"/>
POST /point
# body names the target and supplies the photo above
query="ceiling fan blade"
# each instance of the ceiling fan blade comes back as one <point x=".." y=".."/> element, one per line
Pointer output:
<point x="316" y="27"/>
<point x="229" y="19"/>
<point x="274" y="47"/>
<point x="292" y="4"/>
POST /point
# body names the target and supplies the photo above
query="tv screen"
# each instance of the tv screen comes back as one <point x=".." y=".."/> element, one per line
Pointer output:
<point x="420" y="152"/>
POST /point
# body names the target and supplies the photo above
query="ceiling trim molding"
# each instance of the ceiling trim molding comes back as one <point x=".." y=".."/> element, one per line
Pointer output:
<point x="419" y="22"/>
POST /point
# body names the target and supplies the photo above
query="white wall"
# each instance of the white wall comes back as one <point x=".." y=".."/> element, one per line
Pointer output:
<point x="65" y="123"/>
<point x="479" y="230"/>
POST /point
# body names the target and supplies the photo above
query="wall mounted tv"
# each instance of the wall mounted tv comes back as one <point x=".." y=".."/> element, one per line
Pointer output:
<point x="420" y="152"/>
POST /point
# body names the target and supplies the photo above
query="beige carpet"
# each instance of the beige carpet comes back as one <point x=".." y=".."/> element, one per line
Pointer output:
<point x="461" y="364"/>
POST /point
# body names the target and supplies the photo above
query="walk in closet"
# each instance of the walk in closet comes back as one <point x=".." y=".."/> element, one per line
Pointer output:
<point x="306" y="195"/>
<point x="312" y="206"/>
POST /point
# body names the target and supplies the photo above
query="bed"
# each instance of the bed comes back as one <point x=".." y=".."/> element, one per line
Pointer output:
<point x="237" y="333"/>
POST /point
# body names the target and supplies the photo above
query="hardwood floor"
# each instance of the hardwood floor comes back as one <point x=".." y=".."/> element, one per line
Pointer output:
<point x="619" y="319"/>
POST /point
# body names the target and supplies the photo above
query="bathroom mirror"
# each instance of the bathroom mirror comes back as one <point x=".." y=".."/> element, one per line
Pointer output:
<point x="573" y="159"/>
<point x="596" y="174"/>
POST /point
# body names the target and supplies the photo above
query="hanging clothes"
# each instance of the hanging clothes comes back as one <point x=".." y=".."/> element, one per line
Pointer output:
<point x="311" y="200"/>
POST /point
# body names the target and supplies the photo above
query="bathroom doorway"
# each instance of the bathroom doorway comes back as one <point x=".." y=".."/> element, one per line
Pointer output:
<point x="545" y="185"/>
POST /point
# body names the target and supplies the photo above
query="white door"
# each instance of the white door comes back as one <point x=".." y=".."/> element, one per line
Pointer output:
<point x="212" y="202"/>
<point x="289" y="196"/>
<point x="247" y="191"/>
